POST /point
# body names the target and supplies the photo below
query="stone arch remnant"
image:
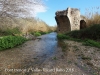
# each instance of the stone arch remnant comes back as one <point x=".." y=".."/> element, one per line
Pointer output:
<point x="68" y="20"/>
<point x="63" y="23"/>
<point x="82" y="24"/>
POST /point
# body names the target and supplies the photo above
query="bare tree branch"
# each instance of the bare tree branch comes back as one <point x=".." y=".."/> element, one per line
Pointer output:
<point x="18" y="8"/>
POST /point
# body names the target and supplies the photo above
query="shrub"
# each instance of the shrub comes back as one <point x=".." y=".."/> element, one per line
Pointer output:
<point x="11" y="31"/>
<point x="87" y="42"/>
<point x="37" y="34"/>
<point x="42" y="33"/>
<point x="92" y="16"/>
<point x="92" y="32"/>
<point x="10" y="41"/>
<point x="91" y="43"/>
<point x="62" y="36"/>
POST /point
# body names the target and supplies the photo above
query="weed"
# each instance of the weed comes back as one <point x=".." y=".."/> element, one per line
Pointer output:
<point x="69" y="62"/>
<point x="92" y="16"/>
<point x="91" y="43"/>
<point x="11" y="41"/>
<point x="92" y="32"/>
<point x="9" y="31"/>
<point x="62" y="36"/>
<point x="54" y="58"/>
<point x="63" y="45"/>
<point x="86" y="58"/>
<point x="37" y="34"/>
<point x="90" y="64"/>
<point x="88" y="36"/>
<point x="76" y="48"/>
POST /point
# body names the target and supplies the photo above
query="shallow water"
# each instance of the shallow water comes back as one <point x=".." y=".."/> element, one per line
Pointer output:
<point x="29" y="54"/>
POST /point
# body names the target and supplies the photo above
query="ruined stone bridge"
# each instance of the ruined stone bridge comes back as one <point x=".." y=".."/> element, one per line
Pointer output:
<point x="69" y="20"/>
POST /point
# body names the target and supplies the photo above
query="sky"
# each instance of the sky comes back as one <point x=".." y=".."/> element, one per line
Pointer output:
<point x="48" y="14"/>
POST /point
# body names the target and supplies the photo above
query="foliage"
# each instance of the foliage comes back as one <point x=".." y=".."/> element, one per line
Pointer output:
<point x="37" y="34"/>
<point x="87" y="42"/>
<point x="11" y="31"/>
<point x="92" y="16"/>
<point x="92" y="32"/>
<point x="10" y="41"/>
<point x="91" y="43"/>
<point x="19" y="8"/>
<point x="63" y="45"/>
<point x="42" y="33"/>
<point x="86" y="58"/>
<point x="62" y="36"/>
<point x="25" y="25"/>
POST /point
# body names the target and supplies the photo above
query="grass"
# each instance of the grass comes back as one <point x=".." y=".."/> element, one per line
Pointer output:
<point x="92" y="16"/>
<point x="25" y="25"/>
<point x="88" y="36"/>
<point x="91" y="43"/>
<point x="62" y="36"/>
<point x="10" y="41"/>
<point x="86" y="58"/>
<point x="87" y="42"/>
<point x="9" y="31"/>
<point x="54" y="58"/>
<point x="63" y="45"/>
<point x="39" y="33"/>
<point x="92" y="32"/>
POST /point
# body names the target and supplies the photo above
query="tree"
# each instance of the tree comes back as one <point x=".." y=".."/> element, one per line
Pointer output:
<point x="19" y="8"/>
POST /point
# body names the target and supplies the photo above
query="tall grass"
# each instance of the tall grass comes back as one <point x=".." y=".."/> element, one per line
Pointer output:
<point x="92" y="16"/>
<point x="25" y="25"/>
<point x="93" y="32"/>
<point x="10" y="31"/>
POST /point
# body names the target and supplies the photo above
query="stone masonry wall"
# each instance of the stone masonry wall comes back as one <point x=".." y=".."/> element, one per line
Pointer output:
<point x="68" y="20"/>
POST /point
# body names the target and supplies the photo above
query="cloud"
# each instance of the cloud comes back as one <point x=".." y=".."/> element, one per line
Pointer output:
<point x="46" y="0"/>
<point x="38" y="8"/>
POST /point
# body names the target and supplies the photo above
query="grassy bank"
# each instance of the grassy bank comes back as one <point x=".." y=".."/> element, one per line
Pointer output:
<point x="92" y="32"/>
<point x="39" y="33"/>
<point x="87" y="42"/>
<point x="10" y="41"/>
<point x="89" y="36"/>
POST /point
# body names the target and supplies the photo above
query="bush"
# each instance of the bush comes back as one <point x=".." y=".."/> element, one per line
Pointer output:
<point x="62" y="36"/>
<point x="86" y="42"/>
<point x="10" y="41"/>
<point x="37" y="34"/>
<point x="11" y="31"/>
<point x="91" y="43"/>
<point x="92" y="16"/>
<point x="42" y="33"/>
<point x="92" y="32"/>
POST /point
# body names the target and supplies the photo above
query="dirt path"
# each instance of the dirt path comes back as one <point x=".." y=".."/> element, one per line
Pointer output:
<point x="43" y="56"/>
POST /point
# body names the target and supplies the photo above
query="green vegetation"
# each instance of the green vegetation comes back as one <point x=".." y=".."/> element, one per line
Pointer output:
<point x="39" y="33"/>
<point x="10" y="41"/>
<point x="91" y="43"/>
<point x="63" y="45"/>
<point x="9" y="31"/>
<point x="62" y="36"/>
<point x="89" y="36"/>
<point x="86" y="58"/>
<point x="92" y="32"/>
<point x="92" y="16"/>
<point x="54" y="58"/>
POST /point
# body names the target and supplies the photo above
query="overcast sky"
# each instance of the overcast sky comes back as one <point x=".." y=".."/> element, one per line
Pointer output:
<point x="48" y="14"/>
